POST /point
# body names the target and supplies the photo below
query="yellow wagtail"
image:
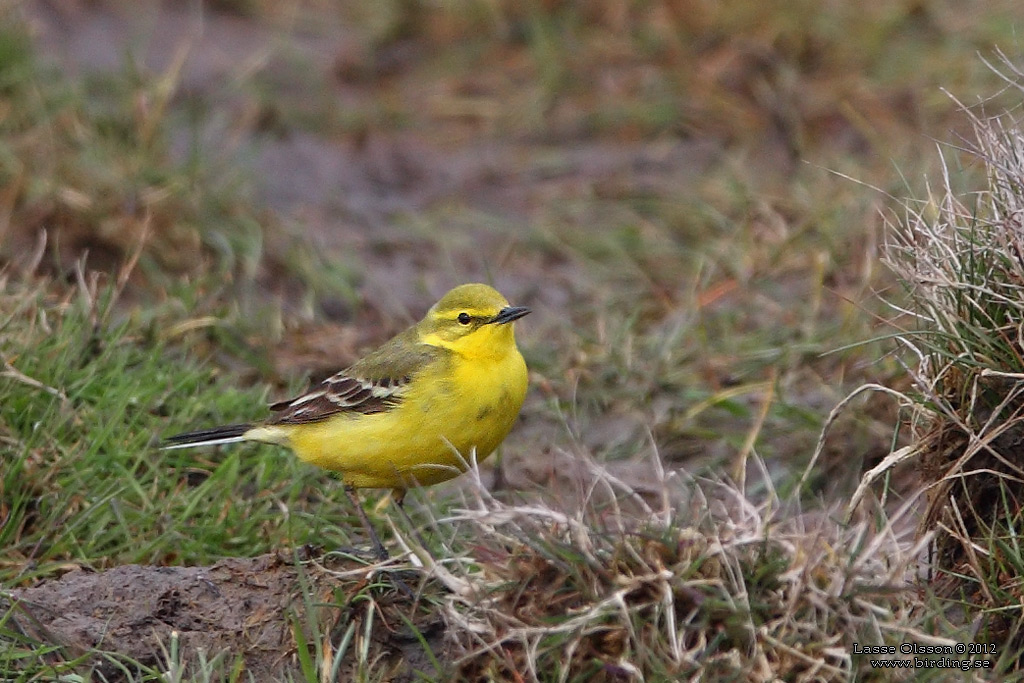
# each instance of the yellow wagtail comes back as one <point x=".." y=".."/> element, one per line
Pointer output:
<point x="411" y="411"/>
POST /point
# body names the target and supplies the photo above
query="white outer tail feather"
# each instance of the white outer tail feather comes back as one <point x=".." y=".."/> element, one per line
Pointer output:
<point x="208" y="442"/>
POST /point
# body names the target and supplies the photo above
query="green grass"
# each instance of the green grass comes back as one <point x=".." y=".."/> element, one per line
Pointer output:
<point x="85" y="410"/>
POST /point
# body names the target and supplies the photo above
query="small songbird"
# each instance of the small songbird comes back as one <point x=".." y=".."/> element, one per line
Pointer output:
<point x="411" y="412"/>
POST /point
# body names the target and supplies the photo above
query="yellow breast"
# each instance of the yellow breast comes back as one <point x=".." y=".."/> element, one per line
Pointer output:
<point x="453" y="409"/>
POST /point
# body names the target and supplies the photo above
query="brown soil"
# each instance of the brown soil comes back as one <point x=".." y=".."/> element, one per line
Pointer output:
<point x="246" y="607"/>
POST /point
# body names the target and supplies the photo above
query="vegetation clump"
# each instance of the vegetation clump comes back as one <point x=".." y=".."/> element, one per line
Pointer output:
<point x="961" y="258"/>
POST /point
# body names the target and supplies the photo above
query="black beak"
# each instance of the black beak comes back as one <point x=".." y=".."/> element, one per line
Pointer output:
<point x="508" y="314"/>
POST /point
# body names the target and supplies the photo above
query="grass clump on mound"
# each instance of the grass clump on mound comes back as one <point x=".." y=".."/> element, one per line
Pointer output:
<point x="692" y="580"/>
<point x="961" y="257"/>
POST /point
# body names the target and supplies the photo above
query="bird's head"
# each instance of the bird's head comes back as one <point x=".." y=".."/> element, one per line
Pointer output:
<point x="472" y="320"/>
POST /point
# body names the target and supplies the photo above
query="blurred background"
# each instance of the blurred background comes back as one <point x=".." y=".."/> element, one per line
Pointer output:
<point x="688" y="192"/>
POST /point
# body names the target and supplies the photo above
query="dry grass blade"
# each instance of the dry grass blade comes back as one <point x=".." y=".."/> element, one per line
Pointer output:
<point x="13" y="373"/>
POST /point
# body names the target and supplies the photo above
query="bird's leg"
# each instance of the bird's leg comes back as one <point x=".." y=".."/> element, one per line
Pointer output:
<point x="398" y="495"/>
<point x="378" y="547"/>
<point x="382" y="553"/>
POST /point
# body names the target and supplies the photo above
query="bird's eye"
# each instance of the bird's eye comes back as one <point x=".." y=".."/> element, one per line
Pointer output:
<point x="464" y="318"/>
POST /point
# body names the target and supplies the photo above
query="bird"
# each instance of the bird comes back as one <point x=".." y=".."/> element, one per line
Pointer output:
<point x="412" y="412"/>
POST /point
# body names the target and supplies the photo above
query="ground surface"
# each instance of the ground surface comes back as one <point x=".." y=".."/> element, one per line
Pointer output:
<point x="239" y="605"/>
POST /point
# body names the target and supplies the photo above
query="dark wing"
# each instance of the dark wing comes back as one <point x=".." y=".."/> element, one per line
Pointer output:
<point x="340" y="393"/>
<point x="374" y="384"/>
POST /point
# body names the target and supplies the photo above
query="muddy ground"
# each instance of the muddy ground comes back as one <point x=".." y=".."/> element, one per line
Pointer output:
<point x="356" y="195"/>
<point x="255" y="608"/>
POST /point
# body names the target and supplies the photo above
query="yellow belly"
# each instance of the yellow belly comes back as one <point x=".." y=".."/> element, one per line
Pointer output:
<point x="428" y="437"/>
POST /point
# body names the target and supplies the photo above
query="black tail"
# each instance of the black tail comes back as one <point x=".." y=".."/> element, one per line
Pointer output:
<point x="208" y="437"/>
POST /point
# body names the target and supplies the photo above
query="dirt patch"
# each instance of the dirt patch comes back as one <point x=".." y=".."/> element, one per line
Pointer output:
<point x="248" y="607"/>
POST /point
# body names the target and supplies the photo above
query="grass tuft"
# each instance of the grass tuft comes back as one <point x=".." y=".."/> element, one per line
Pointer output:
<point x="960" y="256"/>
